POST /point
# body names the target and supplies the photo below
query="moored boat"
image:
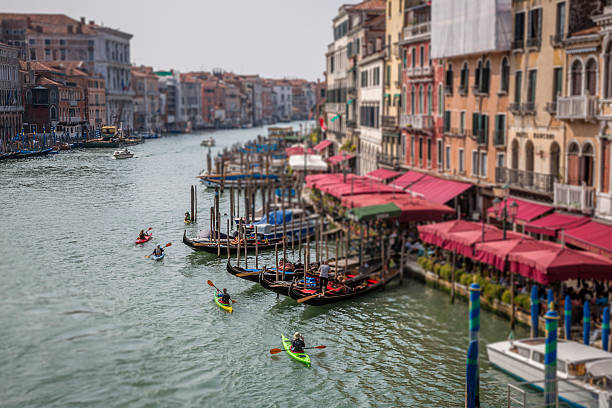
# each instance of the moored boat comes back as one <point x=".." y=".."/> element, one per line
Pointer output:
<point x="122" y="154"/>
<point x="211" y="246"/>
<point x="208" y="142"/>
<point x="269" y="274"/>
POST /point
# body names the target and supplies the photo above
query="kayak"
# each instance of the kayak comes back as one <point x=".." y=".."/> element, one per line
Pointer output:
<point x="223" y="305"/>
<point x="158" y="258"/>
<point x="301" y="357"/>
<point x="147" y="238"/>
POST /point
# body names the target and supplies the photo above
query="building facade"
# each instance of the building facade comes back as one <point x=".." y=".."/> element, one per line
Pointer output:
<point x="11" y="98"/>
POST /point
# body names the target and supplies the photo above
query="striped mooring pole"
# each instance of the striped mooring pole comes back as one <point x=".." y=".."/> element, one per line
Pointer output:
<point x="568" y="318"/>
<point x="535" y="310"/>
<point x="472" y="379"/>
<point x="605" y="329"/>
<point x="550" y="359"/>
<point x="550" y="297"/>
<point x="586" y="321"/>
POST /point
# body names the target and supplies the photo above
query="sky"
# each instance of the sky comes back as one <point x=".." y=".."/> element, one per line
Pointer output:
<point x="273" y="38"/>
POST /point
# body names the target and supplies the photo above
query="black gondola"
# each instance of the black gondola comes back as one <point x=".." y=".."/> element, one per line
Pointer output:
<point x="270" y="274"/>
<point x="211" y="247"/>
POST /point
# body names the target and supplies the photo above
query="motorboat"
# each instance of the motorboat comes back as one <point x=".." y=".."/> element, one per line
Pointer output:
<point x="122" y="154"/>
<point x="297" y="222"/>
<point x="584" y="372"/>
<point x="208" y="142"/>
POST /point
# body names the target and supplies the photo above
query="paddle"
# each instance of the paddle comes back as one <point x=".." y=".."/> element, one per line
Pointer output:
<point x="165" y="246"/>
<point x="277" y="350"/>
<point x="213" y="285"/>
<point x="302" y="300"/>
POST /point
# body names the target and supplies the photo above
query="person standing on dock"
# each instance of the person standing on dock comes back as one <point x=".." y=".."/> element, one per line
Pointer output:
<point x="323" y="276"/>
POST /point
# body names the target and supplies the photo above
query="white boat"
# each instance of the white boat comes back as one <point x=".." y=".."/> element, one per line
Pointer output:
<point x="122" y="154"/>
<point x="271" y="226"/>
<point x="584" y="372"/>
<point x="208" y="142"/>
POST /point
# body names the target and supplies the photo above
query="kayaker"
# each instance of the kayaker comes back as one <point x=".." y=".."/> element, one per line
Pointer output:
<point x="323" y="276"/>
<point x="142" y="235"/>
<point x="297" y="344"/>
<point x="158" y="251"/>
<point x="225" y="297"/>
<point x="187" y="216"/>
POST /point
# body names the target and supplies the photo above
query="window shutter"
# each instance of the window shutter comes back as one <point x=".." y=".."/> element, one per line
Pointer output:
<point x="475" y="124"/>
<point x="486" y="129"/>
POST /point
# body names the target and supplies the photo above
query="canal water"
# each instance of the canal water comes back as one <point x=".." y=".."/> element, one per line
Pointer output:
<point x="87" y="321"/>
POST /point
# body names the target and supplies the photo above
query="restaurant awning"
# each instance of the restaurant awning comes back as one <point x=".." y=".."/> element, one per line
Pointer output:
<point x="340" y="158"/>
<point x="437" y="190"/>
<point x="551" y="224"/>
<point x="382" y="174"/>
<point x="592" y="236"/>
<point x="375" y="212"/>
<point x="407" y="179"/>
<point x="413" y="208"/>
<point x="434" y="234"/>
<point x="322" y="145"/>
<point x="560" y="264"/>
<point x="355" y="186"/>
<point x="527" y="211"/>
<point x="495" y="253"/>
<point x="295" y="150"/>
<point x="463" y="242"/>
<point x="314" y="162"/>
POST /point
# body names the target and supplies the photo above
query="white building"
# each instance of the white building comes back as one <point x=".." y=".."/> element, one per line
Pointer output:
<point x="282" y="97"/>
<point x="369" y="110"/>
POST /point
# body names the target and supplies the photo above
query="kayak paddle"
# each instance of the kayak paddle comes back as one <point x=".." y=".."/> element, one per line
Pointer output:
<point x="165" y="246"/>
<point x="277" y="350"/>
<point x="213" y="285"/>
<point x="301" y="300"/>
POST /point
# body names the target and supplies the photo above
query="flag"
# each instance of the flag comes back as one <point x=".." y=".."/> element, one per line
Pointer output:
<point x="322" y="123"/>
<point x="335" y="117"/>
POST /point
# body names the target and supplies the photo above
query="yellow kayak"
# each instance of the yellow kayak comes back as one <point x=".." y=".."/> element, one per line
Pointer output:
<point x="187" y="222"/>
<point x="223" y="305"/>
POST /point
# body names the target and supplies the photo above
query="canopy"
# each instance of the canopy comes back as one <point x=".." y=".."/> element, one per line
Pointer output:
<point x="551" y="224"/>
<point x="495" y="253"/>
<point x="322" y="145"/>
<point x="297" y="150"/>
<point x="592" y="236"/>
<point x="275" y="218"/>
<point x="382" y="175"/>
<point x="413" y="208"/>
<point x="340" y="158"/>
<point x="407" y="179"/>
<point x="355" y="186"/>
<point x="375" y="212"/>
<point x="434" y="233"/>
<point x="319" y="180"/>
<point x="313" y="163"/>
<point x="527" y="211"/>
<point x="560" y="264"/>
<point x="438" y="190"/>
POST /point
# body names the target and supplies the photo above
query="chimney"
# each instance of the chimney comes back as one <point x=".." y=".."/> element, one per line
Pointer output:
<point x="82" y="20"/>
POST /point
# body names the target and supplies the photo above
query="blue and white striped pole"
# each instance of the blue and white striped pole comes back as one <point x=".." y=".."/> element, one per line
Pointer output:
<point x="605" y="329"/>
<point x="568" y="318"/>
<point x="550" y="359"/>
<point x="474" y="336"/>
<point x="471" y="375"/>
<point x="535" y="310"/>
<point x="586" y="333"/>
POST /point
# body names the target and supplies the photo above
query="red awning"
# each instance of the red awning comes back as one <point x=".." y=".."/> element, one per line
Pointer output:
<point x="297" y="150"/>
<point x="551" y="224"/>
<point x="463" y="242"/>
<point x="438" y="190"/>
<point x="436" y="233"/>
<point x="560" y="264"/>
<point x="413" y="208"/>
<point x="592" y="236"/>
<point x="495" y="253"/>
<point x="382" y="174"/>
<point x="355" y="186"/>
<point x="319" y="147"/>
<point x="339" y="158"/>
<point x="407" y="179"/>
<point x="527" y="211"/>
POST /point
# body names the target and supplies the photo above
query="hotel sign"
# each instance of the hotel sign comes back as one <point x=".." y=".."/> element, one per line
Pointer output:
<point x="543" y="136"/>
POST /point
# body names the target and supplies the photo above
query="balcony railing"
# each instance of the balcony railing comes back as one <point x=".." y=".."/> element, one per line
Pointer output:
<point x="448" y="90"/>
<point x="500" y="137"/>
<point x="526" y="180"/>
<point x="556" y="40"/>
<point x="463" y="90"/>
<point x="551" y="107"/>
<point x="352" y="123"/>
<point x="575" y="197"/>
<point x="581" y="107"/>
<point x="389" y="122"/>
<point x="534" y="43"/>
<point x="514" y="108"/>
<point x="482" y="138"/>
<point x="74" y="119"/>
<point x="414" y="31"/>
<point x="518" y="44"/>
<point x="421" y="122"/>
<point x="604" y="205"/>
<point x="528" y="108"/>
<point x="388" y="160"/>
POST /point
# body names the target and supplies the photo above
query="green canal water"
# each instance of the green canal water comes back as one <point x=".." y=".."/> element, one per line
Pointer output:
<point x="86" y="321"/>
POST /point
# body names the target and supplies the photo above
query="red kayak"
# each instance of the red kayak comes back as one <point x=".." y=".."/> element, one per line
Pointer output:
<point x="142" y="241"/>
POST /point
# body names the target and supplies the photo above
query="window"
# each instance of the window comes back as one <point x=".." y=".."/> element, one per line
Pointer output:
<point x="591" y="77"/>
<point x="422" y="56"/>
<point x="368" y="116"/>
<point x="390" y="8"/>
<point x="420" y="151"/>
<point x="560" y="24"/>
<point x="461" y="159"/>
<point x="331" y="64"/>
<point x="412" y="101"/>
<point x="534" y="29"/>
<point x="388" y="77"/>
<point x="500" y="130"/>
<point x="518" y="79"/>
<point x="478" y="75"/>
<point x="440" y="100"/>
<point x="412" y="146"/>
<point x="448" y="154"/>
<point x="429" y="99"/>
<point x="47" y="42"/>
<point x="449" y="79"/>
<point x="519" y="30"/>
<point x="447" y="121"/>
<point x="531" y="86"/>
<point x="483" y="164"/>
<point x="462" y="122"/>
<point x="475" y="163"/>
<point x="505" y="75"/>
<point x="404" y="57"/>
<point x="465" y="74"/>
<point x="439" y="153"/>
<point x="557" y="83"/>
<point x="413" y="52"/>
<point x="501" y="160"/>
<point x="485" y="78"/>
<point x="429" y="145"/>
<point x="421" y="99"/>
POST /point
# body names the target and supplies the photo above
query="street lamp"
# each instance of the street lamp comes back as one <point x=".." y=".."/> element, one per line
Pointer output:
<point x="506" y="214"/>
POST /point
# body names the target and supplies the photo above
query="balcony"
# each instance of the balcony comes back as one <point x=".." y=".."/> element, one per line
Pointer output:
<point x="74" y="119"/>
<point x="463" y="90"/>
<point x="571" y="197"/>
<point x="514" y="108"/>
<point x="499" y="138"/>
<point x="457" y="132"/>
<point x="417" y="31"/>
<point x="388" y="160"/>
<point x="534" y="43"/>
<point x="580" y="107"/>
<point x="518" y="44"/>
<point x="419" y="122"/>
<point x="448" y="90"/>
<point x="416" y="71"/>
<point x="73" y="103"/>
<point x="525" y="180"/>
<point x="389" y="122"/>
<point x="551" y="107"/>
<point x="528" y="109"/>
<point x="409" y="71"/>
<point x="482" y="138"/>
<point x="604" y="205"/>
<point x="479" y="90"/>
<point x="556" y="40"/>
<point x="351" y="123"/>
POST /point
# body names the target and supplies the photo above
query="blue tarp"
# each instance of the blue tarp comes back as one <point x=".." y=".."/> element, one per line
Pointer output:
<point x="275" y="218"/>
<point x="283" y="193"/>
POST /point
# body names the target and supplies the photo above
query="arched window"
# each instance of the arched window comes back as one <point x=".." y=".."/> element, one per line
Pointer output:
<point x="412" y="101"/>
<point x="587" y="160"/>
<point x="576" y="78"/>
<point x="429" y="99"/>
<point x="608" y="70"/>
<point x="515" y="154"/>
<point x="573" y="167"/>
<point x="449" y="78"/>
<point x="554" y="160"/>
<point x="591" y="77"/>
<point x="440" y="100"/>
<point x="465" y="74"/>
<point x="53" y="113"/>
<point x="478" y="75"/>
<point x="486" y="77"/>
<point x="505" y="75"/>
<point x="421" y="99"/>
<point x="529" y="156"/>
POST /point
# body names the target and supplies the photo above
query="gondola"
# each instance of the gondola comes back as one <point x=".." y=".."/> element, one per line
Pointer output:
<point x="211" y="247"/>
<point x="338" y="292"/>
<point x="268" y="281"/>
<point x="270" y="274"/>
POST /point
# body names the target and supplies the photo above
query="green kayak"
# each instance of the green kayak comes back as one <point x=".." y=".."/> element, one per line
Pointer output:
<point x="301" y="357"/>
<point x="223" y="305"/>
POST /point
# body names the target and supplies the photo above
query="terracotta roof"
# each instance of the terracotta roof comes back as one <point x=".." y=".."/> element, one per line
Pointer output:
<point x="47" y="81"/>
<point x="587" y="31"/>
<point x="369" y="5"/>
<point x="50" y="23"/>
